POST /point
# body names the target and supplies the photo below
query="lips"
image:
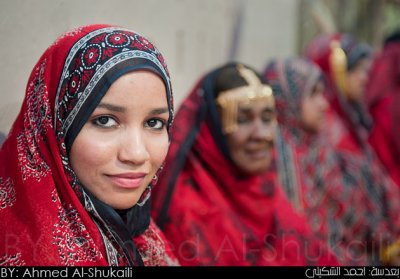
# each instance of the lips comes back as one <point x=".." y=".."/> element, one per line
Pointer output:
<point x="258" y="154"/>
<point x="128" y="180"/>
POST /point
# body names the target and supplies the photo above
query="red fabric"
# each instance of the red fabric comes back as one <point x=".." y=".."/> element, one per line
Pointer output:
<point x="363" y="171"/>
<point x="216" y="215"/>
<point x="43" y="220"/>
<point x="383" y="100"/>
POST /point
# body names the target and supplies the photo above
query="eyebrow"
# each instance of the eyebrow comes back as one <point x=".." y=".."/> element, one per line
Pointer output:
<point x="116" y="108"/>
<point x="159" y="111"/>
<point x="111" y="107"/>
<point x="248" y="110"/>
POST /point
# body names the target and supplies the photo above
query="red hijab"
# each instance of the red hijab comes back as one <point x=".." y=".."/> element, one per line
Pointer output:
<point x="212" y="213"/>
<point x="48" y="217"/>
<point x="352" y="114"/>
<point x="383" y="101"/>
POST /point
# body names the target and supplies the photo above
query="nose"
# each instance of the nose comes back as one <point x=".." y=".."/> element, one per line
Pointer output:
<point x="133" y="148"/>
<point x="323" y="103"/>
<point x="364" y="78"/>
<point x="264" y="130"/>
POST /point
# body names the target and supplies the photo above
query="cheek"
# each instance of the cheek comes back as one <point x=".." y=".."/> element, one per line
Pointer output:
<point x="236" y="140"/>
<point x="85" y="153"/>
<point x="305" y="113"/>
<point x="158" y="149"/>
<point x="236" y="144"/>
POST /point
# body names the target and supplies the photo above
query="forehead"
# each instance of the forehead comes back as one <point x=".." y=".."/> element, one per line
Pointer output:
<point x="363" y="63"/>
<point x="264" y="104"/>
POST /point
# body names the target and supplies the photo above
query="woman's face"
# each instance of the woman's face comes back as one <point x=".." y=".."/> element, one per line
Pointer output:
<point x="252" y="143"/>
<point x="313" y="108"/>
<point x="125" y="140"/>
<point x="357" y="79"/>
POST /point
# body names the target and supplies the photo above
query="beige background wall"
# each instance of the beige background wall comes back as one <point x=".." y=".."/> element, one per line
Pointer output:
<point x="193" y="35"/>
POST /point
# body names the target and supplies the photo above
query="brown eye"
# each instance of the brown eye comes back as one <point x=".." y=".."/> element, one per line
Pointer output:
<point x="105" y="121"/>
<point x="156" y="124"/>
<point x="242" y="119"/>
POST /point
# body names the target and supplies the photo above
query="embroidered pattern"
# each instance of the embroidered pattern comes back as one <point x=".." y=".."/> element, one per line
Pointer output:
<point x="152" y="249"/>
<point x="12" y="260"/>
<point x="37" y="120"/>
<point x="7" y="193"/>
<point x="30" y="161"/>
<point x="72" y="239"/>
<point x="113" y="257"/>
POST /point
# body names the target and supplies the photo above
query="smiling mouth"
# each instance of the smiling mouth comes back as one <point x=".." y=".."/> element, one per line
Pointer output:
<point x="258" y="154"/>
<point x="127" y="182"/>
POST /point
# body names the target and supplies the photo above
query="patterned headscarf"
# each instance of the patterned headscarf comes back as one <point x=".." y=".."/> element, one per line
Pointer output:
<point x="291" y="81"/>
<point x="48" y="218"/>
<point x="211" y="211"/>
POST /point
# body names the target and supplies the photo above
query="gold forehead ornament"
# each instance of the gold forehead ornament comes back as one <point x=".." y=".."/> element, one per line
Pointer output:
<point x="229" y="100"/>
<point x="338" y="64"/>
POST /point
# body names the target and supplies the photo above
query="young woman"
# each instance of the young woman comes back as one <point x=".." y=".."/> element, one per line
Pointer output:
<point x="218" y="201"/>
<point x="82" y="156"/>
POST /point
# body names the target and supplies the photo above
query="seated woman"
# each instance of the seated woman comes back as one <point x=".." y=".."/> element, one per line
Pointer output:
<point x="310" y="172"/>
<point x="78" y="165"/>
<point x="218" y="200"/>
<point x="345" y="64"/>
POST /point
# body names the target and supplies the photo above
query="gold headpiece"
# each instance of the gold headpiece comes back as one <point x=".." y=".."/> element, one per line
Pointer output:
<point x="230" y="99"/>
<point x="338" y="64"/>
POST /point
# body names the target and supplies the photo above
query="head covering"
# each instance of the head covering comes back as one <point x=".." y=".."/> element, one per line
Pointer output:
<point x="383" y="101"/>
<point x="336" y="54"/>
<point x="292" y="80"/>
<point x="2" y="138"/>
<point x="211" y="211"/>
<point x="338" y="210"/>
<point x="51" y="219"/>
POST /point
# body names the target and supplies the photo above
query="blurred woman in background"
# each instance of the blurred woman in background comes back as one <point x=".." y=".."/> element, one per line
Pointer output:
<point x="345" y="64"/>
<point x="218" y="200"/>
<point x="340" y="212"/>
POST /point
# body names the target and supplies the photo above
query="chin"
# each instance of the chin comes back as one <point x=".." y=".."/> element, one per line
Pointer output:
<point x="121" y="204"/>
<point x="257" y="170"/>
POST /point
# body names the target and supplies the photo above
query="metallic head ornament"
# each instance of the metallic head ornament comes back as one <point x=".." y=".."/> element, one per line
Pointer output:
<point x="338" y="64"/>
<point x="229" y="100"/>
